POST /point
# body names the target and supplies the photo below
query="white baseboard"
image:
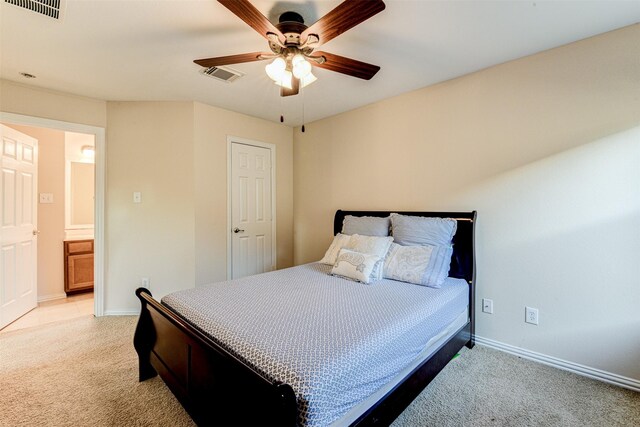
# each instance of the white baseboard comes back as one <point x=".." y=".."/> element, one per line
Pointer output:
<point x="565" y="365"/>
<point x="51" y="297"/>
<point x="121" y="313"/>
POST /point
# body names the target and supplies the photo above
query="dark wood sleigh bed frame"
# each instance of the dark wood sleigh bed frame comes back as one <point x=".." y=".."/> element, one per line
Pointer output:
<point x="217" y="388"/>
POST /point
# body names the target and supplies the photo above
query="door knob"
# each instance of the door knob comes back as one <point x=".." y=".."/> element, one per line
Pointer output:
<point x="237" y="230"/>
<point x="36" y="232"/>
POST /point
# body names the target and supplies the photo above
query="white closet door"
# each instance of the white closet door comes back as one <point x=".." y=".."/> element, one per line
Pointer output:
<point x="251" y="210"/>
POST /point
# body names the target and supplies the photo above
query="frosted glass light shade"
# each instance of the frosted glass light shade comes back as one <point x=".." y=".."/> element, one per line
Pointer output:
<point x="300" y="65"/>
<point x="308" y="79"/>
<point x="301" y="69"/>
<point x="285" y="80"/>
<point x="276" y="69"/>
<point x="297" y="58"/>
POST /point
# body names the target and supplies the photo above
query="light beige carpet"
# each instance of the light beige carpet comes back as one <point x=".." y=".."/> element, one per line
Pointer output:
<point x="80" y="373"/>
<point x="84" y="373"/>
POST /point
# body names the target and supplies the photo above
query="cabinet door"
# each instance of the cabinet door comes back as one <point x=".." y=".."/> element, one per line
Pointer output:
<point x="79" y="246"/>
<point x="80" y="271"/>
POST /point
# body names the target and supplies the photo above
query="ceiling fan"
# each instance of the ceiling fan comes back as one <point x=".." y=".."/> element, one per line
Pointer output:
<point x="293" y="44"/>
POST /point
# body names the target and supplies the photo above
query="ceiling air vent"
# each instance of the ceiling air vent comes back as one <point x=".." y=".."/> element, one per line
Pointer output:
<point x="50" y="8"/>
<point x="223" y="73"/>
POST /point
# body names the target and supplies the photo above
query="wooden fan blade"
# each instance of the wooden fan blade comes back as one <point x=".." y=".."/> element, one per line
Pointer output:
<point x="231" y="59"/>
<point x="348" y="66"/>
<point x="344" y="17"/>
<point x="244" y="10"/>
<point x="295" y="87"/>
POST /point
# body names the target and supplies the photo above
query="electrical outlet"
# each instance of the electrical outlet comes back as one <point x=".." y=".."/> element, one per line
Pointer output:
<point x="145" y="283"/>
<point x="531" y="315"/>
<point x="487" y="305"/>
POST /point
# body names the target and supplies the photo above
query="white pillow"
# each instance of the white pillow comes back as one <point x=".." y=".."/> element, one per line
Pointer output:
<point x="422" y="265"/>
<point x="355" y="265"/>
<point x="339" y="241"/>
<point x="374" y="245"/>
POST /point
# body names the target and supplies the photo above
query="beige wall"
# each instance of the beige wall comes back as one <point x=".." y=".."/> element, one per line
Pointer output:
<point x="212" y="126"/>
<point x="150" y="150"/>
<point x="547" y="149"/>
<point x="175" y="154"/>
<point x="33" y="101"/>
<point x="50" y="216"/>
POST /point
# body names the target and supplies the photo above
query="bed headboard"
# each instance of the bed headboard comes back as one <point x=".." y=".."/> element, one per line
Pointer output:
<point x="463" y="264"/>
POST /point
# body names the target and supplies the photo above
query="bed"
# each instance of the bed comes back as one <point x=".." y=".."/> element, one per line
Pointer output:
<point x="227" y="373"/>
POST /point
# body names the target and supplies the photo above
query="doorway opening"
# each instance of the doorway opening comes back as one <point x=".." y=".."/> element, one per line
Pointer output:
<point x="71" y="263"/>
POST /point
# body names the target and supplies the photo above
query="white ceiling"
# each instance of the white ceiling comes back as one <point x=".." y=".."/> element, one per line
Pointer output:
<point x="129" y="50"/>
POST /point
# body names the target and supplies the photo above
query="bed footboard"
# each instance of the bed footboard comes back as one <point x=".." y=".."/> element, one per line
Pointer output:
<point x="213" y="385"/>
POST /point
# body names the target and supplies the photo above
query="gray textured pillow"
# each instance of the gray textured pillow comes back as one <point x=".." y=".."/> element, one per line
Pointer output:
<point x="418" y="230"/>
<point x="366" y="225"/>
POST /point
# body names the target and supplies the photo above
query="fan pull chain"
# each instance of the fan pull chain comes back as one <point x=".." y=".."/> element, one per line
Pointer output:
<point x="302" y="94"/>
<point x="281" y="112"/>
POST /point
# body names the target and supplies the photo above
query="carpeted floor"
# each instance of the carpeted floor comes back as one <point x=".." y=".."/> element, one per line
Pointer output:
<point x="84" y="373"/>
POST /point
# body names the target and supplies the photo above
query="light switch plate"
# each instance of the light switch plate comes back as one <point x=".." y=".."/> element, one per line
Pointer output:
<point x="137" y="197"/>
<point x="46" y="197"/>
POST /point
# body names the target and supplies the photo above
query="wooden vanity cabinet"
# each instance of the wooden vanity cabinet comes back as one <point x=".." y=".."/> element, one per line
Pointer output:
<point x="78" y="266"/>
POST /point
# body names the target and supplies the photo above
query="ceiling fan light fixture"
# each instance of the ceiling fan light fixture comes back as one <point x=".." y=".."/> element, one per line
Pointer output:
<point x="308" y="79"/>
<point x="282" y="71"/>
<point x="285" y="80"/>
<point x="292" y="43"/>
<point x="276" y="69"/>
<point x="301" y="67"/>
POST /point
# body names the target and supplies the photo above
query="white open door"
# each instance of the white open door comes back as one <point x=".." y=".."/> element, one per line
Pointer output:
<point x="18" y="224"/>
<point x="251" y="210"/>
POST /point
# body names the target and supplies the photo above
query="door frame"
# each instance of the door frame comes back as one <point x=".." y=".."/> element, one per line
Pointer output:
<point x="272" y="147"/>
<point x="99" y="207"/>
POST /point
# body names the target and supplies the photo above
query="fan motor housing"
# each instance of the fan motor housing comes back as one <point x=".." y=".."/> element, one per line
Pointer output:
<point x="291" y="24"/>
